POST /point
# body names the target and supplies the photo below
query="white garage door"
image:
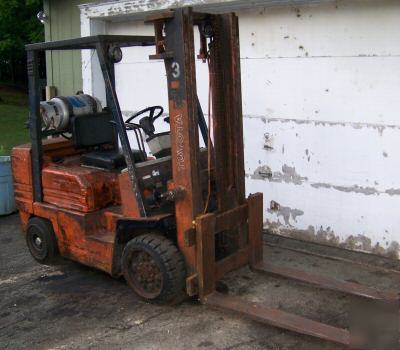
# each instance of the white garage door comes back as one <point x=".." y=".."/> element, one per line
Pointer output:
<point x="321" y="103"/>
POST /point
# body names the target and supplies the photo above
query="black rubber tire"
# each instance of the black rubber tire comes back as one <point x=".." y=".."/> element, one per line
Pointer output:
<point x="42" y="229"/>
<point x="169" y="261"/>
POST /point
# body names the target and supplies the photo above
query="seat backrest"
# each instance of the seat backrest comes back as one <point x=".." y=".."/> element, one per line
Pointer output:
<point x="92" y="129"/>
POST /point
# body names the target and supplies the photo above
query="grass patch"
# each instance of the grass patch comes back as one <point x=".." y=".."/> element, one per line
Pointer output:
<point x="13" y="96"/>
<point x="13" y="115"/>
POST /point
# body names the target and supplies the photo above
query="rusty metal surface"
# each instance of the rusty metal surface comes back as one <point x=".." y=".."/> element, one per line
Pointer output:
<point x="107" y="70"/>
<point x="232" y="218"/>
<point x="282" y="319"/>
<point x="227" y="111"/>
<point x="328" y="283"/>
<point x="175" y="44"/>
<point x="180" y="67"/>
<point x="205" y="248"/>
<point x="145" y="275"/>
<point x="129" y="204"/>
<point x="255" y="221"/>
<point x="90" y="42"/>
<point x="72" y="186"/>
<point x="35" y="124"/>
<point x="232" y="262"/>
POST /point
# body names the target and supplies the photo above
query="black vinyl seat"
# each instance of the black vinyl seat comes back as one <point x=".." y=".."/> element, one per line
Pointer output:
<point x="109" y="159"/>
<point x="98" y="130"/>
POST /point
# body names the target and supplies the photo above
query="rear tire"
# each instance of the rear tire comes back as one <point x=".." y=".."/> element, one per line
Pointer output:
<point x="154" y="268"/>
<point x="41" y="241"/>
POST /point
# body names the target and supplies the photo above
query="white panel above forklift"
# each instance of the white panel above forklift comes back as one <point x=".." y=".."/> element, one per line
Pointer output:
<point x="321" y="87"/>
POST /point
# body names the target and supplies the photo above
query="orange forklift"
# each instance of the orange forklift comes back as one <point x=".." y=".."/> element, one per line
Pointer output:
<point x="172" y="223"/>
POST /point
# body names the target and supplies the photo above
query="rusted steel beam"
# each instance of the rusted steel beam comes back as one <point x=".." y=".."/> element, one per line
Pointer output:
<point x="227" y="121"/>
<point x="179" y="59"/>
<point x="205" y="244"/>
<point x="327" y="283"/>
<point x="35" y="124"/>
<point x="232" y="262"/>
<point x="115" y="109"/>
<point x="282" y="319"/>
<point x="255" y="222"/>
<point x="231" y="219"/>
<point x="227" y="112"/>
<point x="234" y="102"/>
<point x="160" y="16"/>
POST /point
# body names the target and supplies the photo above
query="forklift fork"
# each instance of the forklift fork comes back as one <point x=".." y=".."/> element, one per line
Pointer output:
<point x="210" y="271"/>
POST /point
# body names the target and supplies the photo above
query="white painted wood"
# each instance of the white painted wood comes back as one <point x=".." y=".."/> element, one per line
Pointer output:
<point x="340" y="89"/>
<point x="331" y="154"/>
<point x="140" y="8"/>
<point x="92" y="78"/>
<point x="334" y="29"/>
<point x="323" y="81"/>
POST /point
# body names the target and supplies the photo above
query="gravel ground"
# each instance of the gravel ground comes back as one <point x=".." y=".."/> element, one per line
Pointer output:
<point x="71" y="306"/>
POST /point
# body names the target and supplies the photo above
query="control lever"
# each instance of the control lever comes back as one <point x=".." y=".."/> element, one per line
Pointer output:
<point x="147" y="125"/>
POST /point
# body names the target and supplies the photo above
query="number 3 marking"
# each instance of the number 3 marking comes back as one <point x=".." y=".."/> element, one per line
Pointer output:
<point x="175" y="70"/>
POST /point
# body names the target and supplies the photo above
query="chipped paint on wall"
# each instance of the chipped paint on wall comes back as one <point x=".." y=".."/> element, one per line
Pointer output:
<point x="380" y="128"/>
<point x="357" y="242"/>
<point x="110" y="9"/>
<point x="287" y="213"/>
<point x="347" y="193"/>
<point x="288" y="174"/>
<point x="355" y="188"/>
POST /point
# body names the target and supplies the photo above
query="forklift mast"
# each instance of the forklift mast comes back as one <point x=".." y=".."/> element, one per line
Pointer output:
<point x="175" y="44"/>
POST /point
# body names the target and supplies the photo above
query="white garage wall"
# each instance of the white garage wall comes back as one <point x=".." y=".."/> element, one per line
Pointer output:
<point x="321" y="99"/>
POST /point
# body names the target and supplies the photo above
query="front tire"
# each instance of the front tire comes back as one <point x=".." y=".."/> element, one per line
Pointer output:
<point x="41" y="241"/>
<point x="154" y="268"/>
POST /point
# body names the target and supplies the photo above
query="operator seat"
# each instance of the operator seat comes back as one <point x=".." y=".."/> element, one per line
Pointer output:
<point x="97" y="130"/>
<point x="109" y="159"/>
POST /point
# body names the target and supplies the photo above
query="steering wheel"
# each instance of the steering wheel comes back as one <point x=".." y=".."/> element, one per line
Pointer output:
<point x="152" y="113"/>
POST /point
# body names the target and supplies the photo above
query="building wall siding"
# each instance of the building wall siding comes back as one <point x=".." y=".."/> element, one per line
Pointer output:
<point x="63" y="68"/>
<point x="321" y="87"/>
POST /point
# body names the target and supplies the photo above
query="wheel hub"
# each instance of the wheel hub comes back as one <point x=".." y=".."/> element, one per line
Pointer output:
<point x="146" y="275"/>
<point x="38" y="242"/>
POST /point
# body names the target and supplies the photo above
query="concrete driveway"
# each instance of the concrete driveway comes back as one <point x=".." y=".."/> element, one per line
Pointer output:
<point x="71" y="306"/>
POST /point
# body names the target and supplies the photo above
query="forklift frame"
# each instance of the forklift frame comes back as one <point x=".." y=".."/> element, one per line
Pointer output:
<point x="196" y="228"/>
